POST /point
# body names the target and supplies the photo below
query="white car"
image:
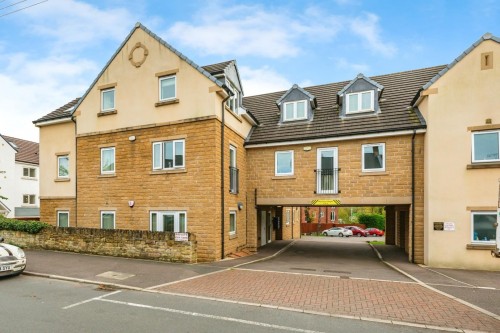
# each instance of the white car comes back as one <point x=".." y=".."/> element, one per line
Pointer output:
<point x="337" y="231"/>
<point x="12" y="259"/>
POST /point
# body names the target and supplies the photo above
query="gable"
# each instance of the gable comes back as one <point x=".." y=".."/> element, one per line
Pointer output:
<point x="132" y="80"/>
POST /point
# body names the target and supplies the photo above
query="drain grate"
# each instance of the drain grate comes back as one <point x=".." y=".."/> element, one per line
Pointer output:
<point x="115" y="275"/>
<point x="337" y="272"/>
<point x="303" y="269"/>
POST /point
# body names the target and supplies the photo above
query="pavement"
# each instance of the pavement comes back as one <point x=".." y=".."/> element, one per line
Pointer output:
<point x="378" y="284"/>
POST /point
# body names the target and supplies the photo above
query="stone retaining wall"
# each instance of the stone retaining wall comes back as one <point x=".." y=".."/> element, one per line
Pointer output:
<point x="120" y="243"/>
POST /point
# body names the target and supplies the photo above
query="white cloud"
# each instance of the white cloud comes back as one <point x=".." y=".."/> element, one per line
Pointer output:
<point x="252" y="30"/>
<point x="343" y="64"/>
<point x="75" y="23"/>
<point x="368" y="28"/>
<point x="262" y="80"/>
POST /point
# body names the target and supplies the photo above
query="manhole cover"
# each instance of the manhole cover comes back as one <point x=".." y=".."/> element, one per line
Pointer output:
<point x="115" y="275"/>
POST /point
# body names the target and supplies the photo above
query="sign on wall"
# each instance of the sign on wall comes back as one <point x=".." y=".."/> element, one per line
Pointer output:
<point x="325" y="202"/>
<point x="181" y="237"/>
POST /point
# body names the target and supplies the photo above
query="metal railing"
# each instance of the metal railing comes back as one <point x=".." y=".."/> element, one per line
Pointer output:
<point x="327" y="181"/>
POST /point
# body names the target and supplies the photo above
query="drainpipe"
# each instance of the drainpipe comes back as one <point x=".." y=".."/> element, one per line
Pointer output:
<point x="413" y="197"/>
<point x="76" y="172"/>
<point x="222" y="148"/>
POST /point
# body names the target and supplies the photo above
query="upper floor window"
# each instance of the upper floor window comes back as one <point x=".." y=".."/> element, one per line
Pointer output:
<point x="63" y="166"/>
<point x="167" y="88"/>
<point x="294" y="110"/>
<point x="233" y="171"/>
<point x="483" y="227"/>
<point x="107" y="220"/>
<point x="29" y="199"/>
<point x="233" y="101"/>
<point x="168" y="154"/>
<point x="107" y="99"/>
<point x="108" y="160"/>
<point x="360" y="102"/>
<point x="170" y="221"/>
<point x="485" y="146"/>
<point x="29" y="172"/>
<point x="283" y="164"/>
<point x="373" y="157"/>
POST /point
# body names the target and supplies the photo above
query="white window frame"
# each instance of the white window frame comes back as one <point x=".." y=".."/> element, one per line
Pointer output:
<point x="114" y="161"/>
<point x="111" y="212"/>
<point x="276" y="162"/>
<point x="494" y="213"/>
<point x="59" y="157"/>
<point x="332" y="214"/>
<point x="29" y="169"/>
<point x="360" y="102"/>
<point x="102" y="99"/>
<point x="233" y="101"/>
<point x="169" y="77"/>
<point x="363" y="169"/>
<point x="29" y="201"/>
<point x="319" y="186"/>
<point x="59" y="212"/>
<point x="295" y="117"/>
<point x="234" y="228"/>
<point x="161" y="144"/>
<point x="473" y="147"/>
<point x="176" y="214"/>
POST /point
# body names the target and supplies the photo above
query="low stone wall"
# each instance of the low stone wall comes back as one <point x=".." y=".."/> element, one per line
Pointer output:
<point x="119" y="243"/>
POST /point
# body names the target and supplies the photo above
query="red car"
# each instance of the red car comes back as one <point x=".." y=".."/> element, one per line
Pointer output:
<point x="374" y="232"/>
<point x="357" y="231"/>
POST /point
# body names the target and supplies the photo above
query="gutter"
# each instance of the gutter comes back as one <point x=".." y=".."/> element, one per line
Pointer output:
<point x="222" y="197"/>
<point x="73" y="119"/>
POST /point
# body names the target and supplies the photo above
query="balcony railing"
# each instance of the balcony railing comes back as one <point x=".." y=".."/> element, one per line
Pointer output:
<point x="233" y="180"/>
<point x="327" y="181"/>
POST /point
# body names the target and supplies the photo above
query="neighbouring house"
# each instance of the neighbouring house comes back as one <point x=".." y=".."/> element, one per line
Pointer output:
<point x="19" y="178"/>
<point x="324" y="214"/>
<point x="461" y="107"/>
<point x="159" y="143"/>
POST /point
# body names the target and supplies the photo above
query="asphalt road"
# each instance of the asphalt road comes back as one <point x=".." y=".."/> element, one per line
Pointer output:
<point x="34" y="304"/>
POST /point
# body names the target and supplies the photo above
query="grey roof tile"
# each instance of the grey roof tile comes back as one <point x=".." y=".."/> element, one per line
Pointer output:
<point x="395" y="115"/>
<point x="64" y="111"/>
<point x="27" y="151"/>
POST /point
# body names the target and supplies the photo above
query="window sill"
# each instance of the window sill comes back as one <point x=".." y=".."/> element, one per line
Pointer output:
<point x="283" y="177"/>
<point x="233" y="236"/>
<point x="486" y="165"/>
<point x="234" y="114"/>
<point x="374" y="173"/>
<point x="168" y="102"/>
<point x="107" y="113"/>
<point x="111" y="175"/>
<point x="233" y="192"/>
<point x="61" y="180"/>
<point x="476" y="246"/>
<point x="164" y="172"/>
<point x="29" y="178"/>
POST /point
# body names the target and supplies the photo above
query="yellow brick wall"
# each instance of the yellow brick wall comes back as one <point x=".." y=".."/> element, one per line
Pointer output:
<point x="49" y="208"/>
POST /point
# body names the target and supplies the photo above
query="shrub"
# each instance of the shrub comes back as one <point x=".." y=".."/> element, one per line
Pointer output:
<point x="372" y="220"/>
<point x="31" y="227"/>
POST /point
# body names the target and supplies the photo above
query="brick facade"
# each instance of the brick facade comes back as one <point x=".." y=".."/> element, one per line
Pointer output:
<point x="50" y="207"/>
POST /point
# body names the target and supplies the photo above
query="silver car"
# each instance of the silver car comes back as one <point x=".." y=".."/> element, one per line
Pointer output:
<point x="337" y="231"/>
<point x="12" y="259"/>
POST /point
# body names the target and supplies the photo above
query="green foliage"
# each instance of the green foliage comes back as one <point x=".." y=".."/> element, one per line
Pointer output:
<point x="309" y="218"/>
<point x="372" y="220"/>
<point x="31" y="227"/>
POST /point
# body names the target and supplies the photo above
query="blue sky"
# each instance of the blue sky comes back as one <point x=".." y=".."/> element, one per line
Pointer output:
<point x="51" y="52"/>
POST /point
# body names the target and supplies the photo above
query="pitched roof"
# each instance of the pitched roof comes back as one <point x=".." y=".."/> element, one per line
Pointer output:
<point x="486" y="36"/>
<point x="295" y="86"/>
<point x="64" y="111"/>
<point x="215" y="69"/>
<point x="361" y="76"/>
<point x="27" y="151"/>
<point x="395" y="115"/>
<point x="162" y="42"/>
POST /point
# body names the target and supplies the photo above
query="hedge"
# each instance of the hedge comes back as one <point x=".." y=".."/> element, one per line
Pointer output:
<point x="31" y="227"/>
<point x="372" y="220"/>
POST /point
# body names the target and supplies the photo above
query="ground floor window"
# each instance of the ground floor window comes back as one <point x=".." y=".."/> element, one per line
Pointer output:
<point x="168" y="221"/>
<point x="63" y="219"/>
<point x="483" y="227"/>
<point x="232" y="222"/>
<point x="107" y="220"/>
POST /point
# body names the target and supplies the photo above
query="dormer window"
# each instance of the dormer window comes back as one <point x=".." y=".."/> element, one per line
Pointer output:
<point x="294" y="110"/>
<point x="360" y="102"/>
<point x="233" y="101"/>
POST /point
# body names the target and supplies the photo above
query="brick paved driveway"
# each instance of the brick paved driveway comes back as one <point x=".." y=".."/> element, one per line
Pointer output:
<point x="275" y="283"/>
